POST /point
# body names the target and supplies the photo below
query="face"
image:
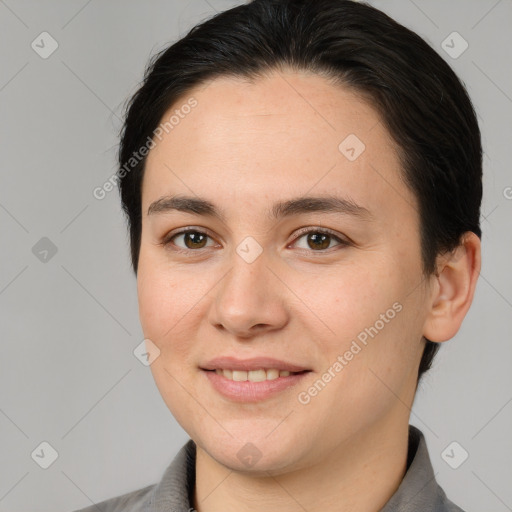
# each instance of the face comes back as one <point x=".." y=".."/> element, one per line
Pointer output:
<point x="336" y="290"/>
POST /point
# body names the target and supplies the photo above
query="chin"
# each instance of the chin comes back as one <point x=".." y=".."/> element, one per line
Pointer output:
<point x="260" y="457"/>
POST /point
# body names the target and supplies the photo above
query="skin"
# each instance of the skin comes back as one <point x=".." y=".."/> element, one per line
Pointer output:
<point x="244" y="147"/>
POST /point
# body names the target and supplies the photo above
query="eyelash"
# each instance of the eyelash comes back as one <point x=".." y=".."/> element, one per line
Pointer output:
<point x="305" y="231"/>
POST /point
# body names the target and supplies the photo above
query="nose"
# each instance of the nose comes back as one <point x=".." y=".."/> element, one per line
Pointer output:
<point x="249" y="300"/>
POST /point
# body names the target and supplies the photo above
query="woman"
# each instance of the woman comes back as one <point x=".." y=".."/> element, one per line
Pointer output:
<point x="302" y="182"/>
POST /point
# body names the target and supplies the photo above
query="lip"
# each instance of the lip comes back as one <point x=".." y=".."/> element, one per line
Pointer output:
<point x="254" y="363"/>
<point x="247" y="391"/>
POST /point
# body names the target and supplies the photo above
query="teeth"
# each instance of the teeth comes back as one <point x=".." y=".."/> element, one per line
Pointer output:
<point x="257" y="375"/>
<point x="253" y="375"/>
<point x="272" y="374"/>
<point x="239" y="375"/>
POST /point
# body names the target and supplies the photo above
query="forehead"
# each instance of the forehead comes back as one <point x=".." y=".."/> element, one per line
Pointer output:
<point x="282" y="135"/>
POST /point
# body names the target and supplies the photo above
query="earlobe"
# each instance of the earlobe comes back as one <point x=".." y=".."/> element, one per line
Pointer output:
<point x="454" y="288"/>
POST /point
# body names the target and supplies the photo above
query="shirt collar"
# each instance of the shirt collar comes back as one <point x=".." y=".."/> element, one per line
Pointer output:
<point x="417" y="491"/>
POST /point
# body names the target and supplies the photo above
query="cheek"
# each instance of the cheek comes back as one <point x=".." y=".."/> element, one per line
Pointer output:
<point x="347" y="298"/>
<point x="168" y="311"/>
<point x="156" y="304"/>
<point x="366" y="312"/>
<point x="167" y="299"/>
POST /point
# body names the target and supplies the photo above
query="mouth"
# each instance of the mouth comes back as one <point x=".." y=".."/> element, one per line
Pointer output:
<point x="254" y="364"/>
<point x="259" y="375"/>
<point x="251" y="380"/>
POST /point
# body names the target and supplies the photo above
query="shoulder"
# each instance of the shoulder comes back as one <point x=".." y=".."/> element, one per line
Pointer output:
<point x="171" y="493"/>
<point x="135" y="501"/>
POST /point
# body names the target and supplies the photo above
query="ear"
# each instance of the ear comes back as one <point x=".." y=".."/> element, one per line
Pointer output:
<point x="452" y="290"/>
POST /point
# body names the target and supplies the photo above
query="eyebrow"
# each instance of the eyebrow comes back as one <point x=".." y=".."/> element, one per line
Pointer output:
<point x="281" y="209"/>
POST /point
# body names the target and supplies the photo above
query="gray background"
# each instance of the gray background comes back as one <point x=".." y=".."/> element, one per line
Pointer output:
<point x="68" y="375"/>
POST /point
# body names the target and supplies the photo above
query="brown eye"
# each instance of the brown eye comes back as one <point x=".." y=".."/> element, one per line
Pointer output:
<point x="192" y="239"/>
<point x="318" y="240"/>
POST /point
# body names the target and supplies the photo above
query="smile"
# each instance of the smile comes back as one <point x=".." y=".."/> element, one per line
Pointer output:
<point x="253" y="375"/>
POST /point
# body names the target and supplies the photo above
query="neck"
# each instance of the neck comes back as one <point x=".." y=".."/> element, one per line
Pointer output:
<point x="360" y="474"/>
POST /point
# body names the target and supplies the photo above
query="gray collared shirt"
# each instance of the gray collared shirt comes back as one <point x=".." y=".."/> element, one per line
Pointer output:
<point x="418" y="491"/>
